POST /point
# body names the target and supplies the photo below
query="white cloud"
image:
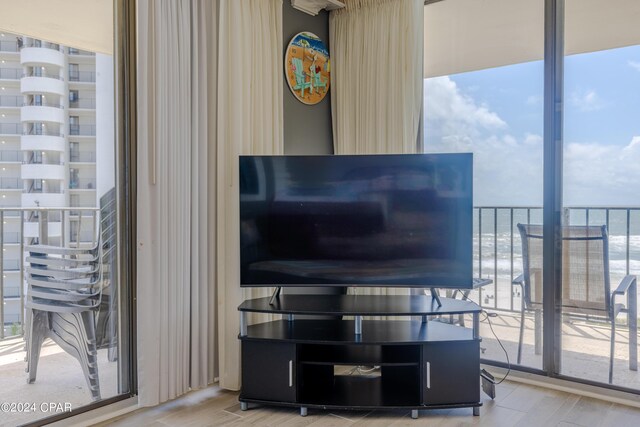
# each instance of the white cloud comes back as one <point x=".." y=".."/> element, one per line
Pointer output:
<point x="587" y="100"/>
<point x="534" y="100"/>
<point x="508" y="168"/>
<point x="635" y="65"/>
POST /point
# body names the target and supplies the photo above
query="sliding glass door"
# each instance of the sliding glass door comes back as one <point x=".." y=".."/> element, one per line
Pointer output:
<point x="601" y="192"/>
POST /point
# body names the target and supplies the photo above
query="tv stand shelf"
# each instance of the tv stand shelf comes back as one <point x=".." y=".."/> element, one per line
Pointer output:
<point x="420" y="364"/>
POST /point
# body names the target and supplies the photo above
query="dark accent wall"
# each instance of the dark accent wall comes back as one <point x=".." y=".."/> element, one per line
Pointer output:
<point x="307" y="128"/>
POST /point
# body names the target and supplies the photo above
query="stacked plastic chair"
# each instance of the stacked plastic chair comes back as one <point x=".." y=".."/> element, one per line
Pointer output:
<point x="64" y="297"/>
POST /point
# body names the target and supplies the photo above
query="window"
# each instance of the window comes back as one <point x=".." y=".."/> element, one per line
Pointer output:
<point x="74" y="72"/>
<point x="74" y="125"/>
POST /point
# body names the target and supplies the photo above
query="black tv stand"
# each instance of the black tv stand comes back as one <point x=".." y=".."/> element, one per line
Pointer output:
<point x="304" y="363"/>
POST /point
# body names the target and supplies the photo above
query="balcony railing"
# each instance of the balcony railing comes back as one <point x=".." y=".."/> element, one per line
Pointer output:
<point x="498" y="248"/>
<point x="10" y="156"/>
<point x="10" y="73"/>
<point x="41" y="44"/>
<point x="82" y="76"/>
<point x="39" y="74"/>
<point x="10" y="100"/>
<point x="10" y="128"/>
<point x="10" y="183"/>
<point x="8" y="46"/>
<point x="74" y="51"/>
<point x="82" y="156"/>
<point x="54" y="226"/>
<point x="82" y="130"/>
<point x="82" y="184"/>
<point x="83" y="103"/>
<point x="36" y="130"/>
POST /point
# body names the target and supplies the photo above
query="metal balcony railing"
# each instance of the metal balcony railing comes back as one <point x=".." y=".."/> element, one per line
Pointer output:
<point x="10" y="156"/>
<point x="82" y="130"/>
<point x="74" y="51"/>
<point x="10" y="73"/>
<point x="10" y="128"/>
<point x="41" y="44"/>
<point x="82" y="184"/>
<point x="498" y="248"/>
<point x="37" y="130"/>
<point x="83" y="103"/>
<point x="34" y="103"/>
<point x="82" y="156"/>
<point x="82" y="76"/>
<point x="8" y="46"/>
<point x="55" y="226"/>
<point x="10" y="101"/>
<point x="40" y="74"/>
<point x="10" y="183"/>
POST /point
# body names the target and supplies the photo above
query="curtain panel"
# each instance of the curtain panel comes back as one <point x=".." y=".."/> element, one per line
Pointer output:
<point x="376" y="76"/>
<point x="209" y="89"/>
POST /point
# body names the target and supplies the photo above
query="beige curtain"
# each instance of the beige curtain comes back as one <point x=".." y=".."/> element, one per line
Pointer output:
<point x="376" y="76"/>
<point x="250" y="121"/>
<point x="210" y="88"/>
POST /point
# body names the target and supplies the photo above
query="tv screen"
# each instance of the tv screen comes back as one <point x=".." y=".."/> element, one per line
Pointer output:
<point x="361" y="220"/>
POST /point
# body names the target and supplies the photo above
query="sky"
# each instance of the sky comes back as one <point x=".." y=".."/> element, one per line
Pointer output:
<point x="497" y="114"/>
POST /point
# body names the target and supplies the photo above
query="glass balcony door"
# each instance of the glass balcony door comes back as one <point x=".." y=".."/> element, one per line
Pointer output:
<point x="601" y="208"/>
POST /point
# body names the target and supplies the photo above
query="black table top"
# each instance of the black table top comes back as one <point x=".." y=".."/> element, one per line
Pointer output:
<point x="359" y="305"/>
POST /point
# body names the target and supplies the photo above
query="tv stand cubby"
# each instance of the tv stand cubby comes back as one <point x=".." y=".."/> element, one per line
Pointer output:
<point x="403" y="363"/>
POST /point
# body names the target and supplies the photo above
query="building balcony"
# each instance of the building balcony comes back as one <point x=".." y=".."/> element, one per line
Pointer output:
<point x="42" y="113"/>
<point x="42" y="143"/>
<point x="82" y="76"/>
<point x="82" y="184"/>
<point x="83" y="103"/>
<point x="30" y="56"/>
<point x="82" y="130"/>
<point x="11" y="156"/>
<point x="10" y="128"/>
<point x="10" y="100"/>
<point x="34" y="85"/>
<point x="10" y="73"/>
<point x="8" y="46"/>
<point x="82" y="157"/>
<point x="9" y="183"/>
<point x="42" y="171"/>
<point x="43" y="199"/>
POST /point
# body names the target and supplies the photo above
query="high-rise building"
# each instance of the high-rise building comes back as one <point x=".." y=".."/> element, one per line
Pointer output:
<point x="47" y="145"/>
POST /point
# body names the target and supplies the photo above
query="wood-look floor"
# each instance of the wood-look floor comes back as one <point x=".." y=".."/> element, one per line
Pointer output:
<point x="515" y="405"/>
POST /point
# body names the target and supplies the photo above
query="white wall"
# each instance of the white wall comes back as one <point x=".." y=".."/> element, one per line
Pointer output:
<point x="105" y="131"/>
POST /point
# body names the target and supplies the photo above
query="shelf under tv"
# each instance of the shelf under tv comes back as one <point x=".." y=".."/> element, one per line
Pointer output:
<point x="420" y="364"/>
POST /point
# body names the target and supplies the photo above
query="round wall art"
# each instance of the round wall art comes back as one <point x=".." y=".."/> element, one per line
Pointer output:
<point x="307" y="68"/>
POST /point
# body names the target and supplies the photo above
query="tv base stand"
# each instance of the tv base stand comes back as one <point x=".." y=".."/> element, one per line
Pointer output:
<point x="306" y="363"/>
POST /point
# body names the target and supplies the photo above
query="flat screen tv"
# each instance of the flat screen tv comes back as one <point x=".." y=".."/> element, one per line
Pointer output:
<point x="361" y="220"/>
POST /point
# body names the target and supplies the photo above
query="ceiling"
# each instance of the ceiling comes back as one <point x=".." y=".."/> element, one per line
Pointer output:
<point x="83" y="24"/>
<point x="468" y="35"/>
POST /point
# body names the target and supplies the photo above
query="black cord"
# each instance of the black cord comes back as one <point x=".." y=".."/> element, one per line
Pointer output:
<point x="488" y="319"/>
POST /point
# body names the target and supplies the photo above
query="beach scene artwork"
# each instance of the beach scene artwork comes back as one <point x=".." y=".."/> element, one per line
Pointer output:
<point x="307" y="68"/>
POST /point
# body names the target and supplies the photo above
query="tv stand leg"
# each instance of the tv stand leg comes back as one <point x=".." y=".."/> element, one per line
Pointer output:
<point x="303" y="411"/>
<point x="436" y="297"/>
<point x="244" y="406"/>
<point x="358" y="325"/>
<point x="476" y="411"/>
<point x="275" y="295"/>
<point x="414" y="414"/>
